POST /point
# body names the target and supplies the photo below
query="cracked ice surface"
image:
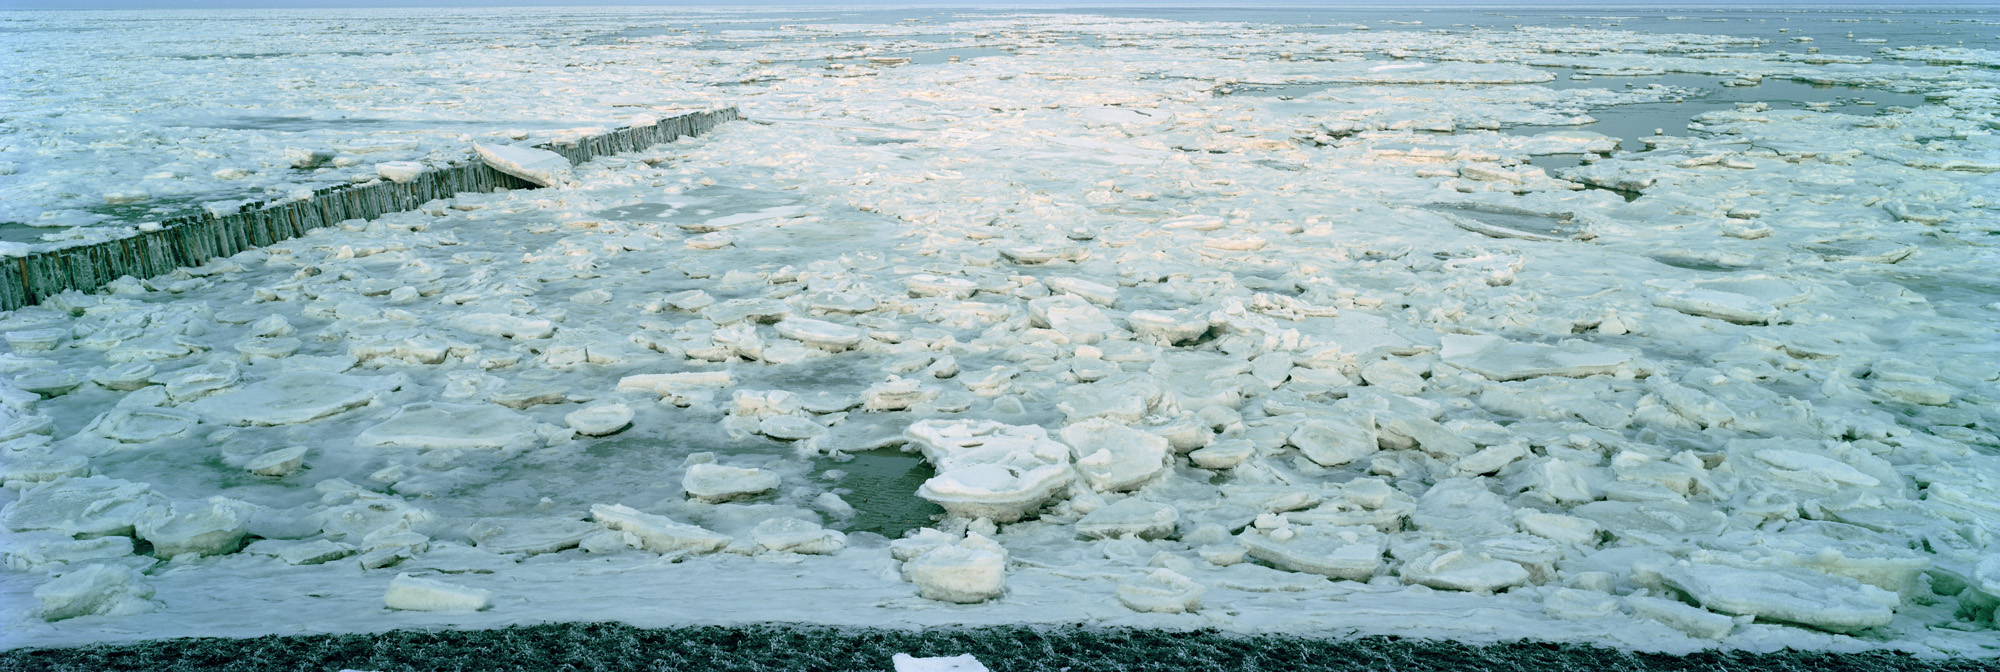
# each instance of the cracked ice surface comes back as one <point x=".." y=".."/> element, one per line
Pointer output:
<point x="1343" y="362"/>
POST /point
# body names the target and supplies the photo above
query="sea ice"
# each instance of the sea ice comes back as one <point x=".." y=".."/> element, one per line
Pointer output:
<point x="430" y="425"/>
<point x="94" y="506"/>
<point x="1500" y="359"/>
<point x="1112" y="457"/>
<point x="293" y="398"/>
<point x="657" y="533"/>
<point x="93" y="589"/>
<point x="970" y="570"/>
<point x="1795" y="595"/>
<point x="412" y="593"/>
<point x="717" y="483"/>
<point x="212" y="528"/>
<point x="539" y="166"/>
<point x="600" y="420"/>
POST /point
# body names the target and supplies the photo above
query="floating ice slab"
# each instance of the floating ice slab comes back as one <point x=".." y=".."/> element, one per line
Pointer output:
<point x="1721" y="305"/>
<point x="1162" y="591"/>
<point x="529" y="536"/>
<point x="990" y="470"/>
<point x="718" y="483"/>
<point x="539" y="166"/>
<point x="293" y="398"/>
<point x="1332" y="442"/>
<point x="1795" y="595"/>
<point x="600" y="420"/>
<point x="657" y="533"/>
<point x="430" y="425"/>
<point x="1459" y="570"/>
<point x="790" y="535"/>
<point x="971" y="570"/>
<point x="1340" y="552"/>
<point x="1694" y="621"/>
<point x="820" y="333"/>
<point x="400" y="171"/>
<point x="509" y="326"/>
<point x="1500" y="359"/>
<point x="1113" y="457"/>
<point x="211" y="528"/>
<point x="418" y="594"/>
<point x="110" y="590"/>
<point x="95" y="506"/>
<point x="1133" y="516"/>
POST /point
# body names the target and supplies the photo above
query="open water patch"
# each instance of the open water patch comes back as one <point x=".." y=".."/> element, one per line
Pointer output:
<point x="881" y="485"/>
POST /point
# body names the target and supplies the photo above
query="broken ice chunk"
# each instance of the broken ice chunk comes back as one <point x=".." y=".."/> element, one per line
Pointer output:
<point x="1694" y="621"/>
<point x="1393" y="376"/>
<point x="926" y="285"/>
<point x="1097" y="293"/>
<point x="1223" y="455"/>
<point x="1001" y="492"/>
<point x="1332" y="442"/>
<point x="717" y="483"/>
<point x="1500" y="359"/>
<point x="990" y="470"/>
<point x="600" y="420"/>
<point x="1073" y="317"/>
<point x="760" y="311"/>
<point x="399" y="171"/>
<point x="529" y="536"/>
<point x="434" y="425"/>
<point x="972" y="570"/>
<point x="509" y="326"/>
<point x="142" y="424"/>
<point x="312" y="552"/>
<point x="106" y="589"/>
<point x="1791" y="594"/>
<point x="23" y="470"/>
<point x="656" y="533"/>
<point x="1721" y="305"/>
<point x="94" y="506"/>
<point x="280" y="462"/>
<point x="1579" y="605"/>
<point x="213" y="528"/>
<point x="126" y="377"/>
<point x="791" y="535"/>
<point x="1163" y="591"/>
<point x="415" y="594"/>
<point x="820" y="333"/>
<point x="539" y="166"/>
<point x="1162" y="327"/>
<point x="35" y="340"/>
<point x="1133" y="516"/>
<point x="1113" y="457"/>
<point x="790" y="428"/>
<point x="292" y="398"/>
<point x="1462" y="508"/>
<point x="1459" y="570"/>
<point x="1353" y="553"/>
<point x="896" y="394"/>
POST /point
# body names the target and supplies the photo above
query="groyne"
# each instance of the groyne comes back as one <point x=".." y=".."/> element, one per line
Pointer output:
<point x="194" y="240"/>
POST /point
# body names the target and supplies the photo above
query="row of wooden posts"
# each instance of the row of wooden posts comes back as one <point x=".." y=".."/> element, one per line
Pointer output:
<point x="194" y="240"/>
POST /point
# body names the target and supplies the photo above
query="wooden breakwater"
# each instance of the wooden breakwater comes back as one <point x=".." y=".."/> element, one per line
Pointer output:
<point x="194" y="240"/>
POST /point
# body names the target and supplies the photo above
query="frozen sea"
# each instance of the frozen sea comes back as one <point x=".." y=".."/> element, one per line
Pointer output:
<point x="1654" y="329"/>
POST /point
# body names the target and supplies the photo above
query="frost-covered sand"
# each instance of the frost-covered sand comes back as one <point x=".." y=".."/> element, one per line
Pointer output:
<point x="1331" y="363"/>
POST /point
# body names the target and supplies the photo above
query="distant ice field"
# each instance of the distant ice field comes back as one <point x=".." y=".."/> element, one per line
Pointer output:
<point x="1659" y="331"/>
